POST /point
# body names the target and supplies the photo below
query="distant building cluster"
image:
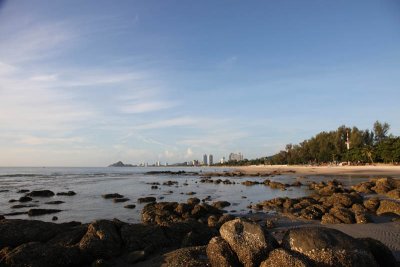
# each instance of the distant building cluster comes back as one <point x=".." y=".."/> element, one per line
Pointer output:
<point x="235" y="157"/>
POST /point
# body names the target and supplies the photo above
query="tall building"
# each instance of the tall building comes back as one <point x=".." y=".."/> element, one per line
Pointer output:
<point x="235" y="157"/>
<point x="222" y="161"/>
<point x="210" y="159"/>
<point x="205" y="159"/>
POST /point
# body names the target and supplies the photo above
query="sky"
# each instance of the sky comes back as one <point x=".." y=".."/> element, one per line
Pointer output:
<point x="89" y="83"/>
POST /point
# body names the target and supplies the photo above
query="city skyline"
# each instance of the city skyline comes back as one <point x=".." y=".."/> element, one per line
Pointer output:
<point x="91" y="83"/>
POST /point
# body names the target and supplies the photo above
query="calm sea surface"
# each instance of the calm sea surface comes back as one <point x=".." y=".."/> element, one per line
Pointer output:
<point x="91" y="183"/>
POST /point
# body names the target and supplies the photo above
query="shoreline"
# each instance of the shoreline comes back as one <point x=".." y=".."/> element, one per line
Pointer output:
<point x="384" y="170"/>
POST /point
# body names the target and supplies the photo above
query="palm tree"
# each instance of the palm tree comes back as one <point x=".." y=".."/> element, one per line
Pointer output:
<point x="367" y="151"/>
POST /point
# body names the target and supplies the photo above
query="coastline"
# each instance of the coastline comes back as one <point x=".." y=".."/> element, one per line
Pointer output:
<point x="378" y="170"/>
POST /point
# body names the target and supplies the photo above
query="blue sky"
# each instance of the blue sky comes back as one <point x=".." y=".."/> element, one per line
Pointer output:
<point x="87" y="83"/>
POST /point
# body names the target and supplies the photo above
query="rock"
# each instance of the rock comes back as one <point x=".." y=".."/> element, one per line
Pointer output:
<point x="343" y="199"/>
<point x="343" y="214"/>
<point x="269" y="224"/>
<point x="12" y="200"/>
<point x="137" y="237"/>
<point x="40" y="193"/>
<point x="25" y="199"/>
<point x="21" y="191"/>
<point x="55" y="218"/>
<point x="38" y="212"/>
<point x="146" y="199"/>
<point x="130" y="206"/>
<point x="220" y="254"/>
<point x="382" y="254"/>
<point x="283" y="258"/>
<point x="113" y="195"/>
<point x="248" y="240"/>
<point x="388" y="206"/>
<point x="57" y="202"/>
<point x="395" y="193"/>
<point x="136" y="256"/>
<point x="36" y="254"/>
<point x="2" y="217"/>
<point x="372" y="204"/>
<point x="102" y="240"/>
<point x="221" y="204"/>
<point x="358" y="208"/>
<point x="69" y="193"/>
<point x="364" y="187"/>
<point x="24" y="206"/>
<point x="188" y="257"/>
<point x="212" y="221"/>
<point x="193" y="201"/>
<point x="361" y="217"/>
<point x="191" y="193"/>
<point x="70" y="237"/>
<point x="17" y="232"/>
<point x="327" y="247"/>
<point x="383" y="185"/>
<point x="313" y="212"/>
<point x="119" y="200"/>
<point x="329" y="219"/>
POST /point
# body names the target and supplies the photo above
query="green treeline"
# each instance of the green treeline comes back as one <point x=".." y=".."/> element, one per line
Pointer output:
<point x="330" y="147"/>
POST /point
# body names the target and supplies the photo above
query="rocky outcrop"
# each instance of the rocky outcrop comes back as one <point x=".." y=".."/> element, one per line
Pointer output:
<point x="249" y="241"/>
<point x="388" y="206"/>
<point x="219" y="253"/>
<point x="328" y="247"/>
<point x="283" y="258"/>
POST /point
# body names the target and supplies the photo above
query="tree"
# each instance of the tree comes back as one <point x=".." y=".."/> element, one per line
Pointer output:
<point x="380" y="131"/>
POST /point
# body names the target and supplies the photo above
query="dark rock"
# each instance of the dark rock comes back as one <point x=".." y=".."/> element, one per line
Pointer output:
<point x="56" y="202"/>
<point x="327" y="247"/>
<point x="69" y="193"/>
<point x="130" y="206"/>
<point x="36" y="254"/>
<point x="16" y="213"/>
<point x="12" y="200"/>
<point x="20" y="206"/>
<point x="170" y="183"/>
<point x="113" y="195"/>
<point x="221" y="204"/>
<point x="343" y="199"/>
<point x="269" y="224"/>
<point x="25" y="199"/>
<point x="188" y="257"/>
<point x="38" y="212"/>
<point x="23" y="191"/>
<point x="154" y="187"/>
<point x="2" y="217"/>
<point x="220" y="254"/>
<point x="17" y="232"/>
<point x="146" y="199"/>
<point x="313" y="212"/>
<point x="188" y="233"/>
<point x="55" y="218"/>
<point x="119" y="200"/>
<point x="283" y="258"/>
<point x="249" y="241"/>
<point x="191" y="193"/>
<point x="136" y="256"/>
<point x="388" y="206"/>
<point x="193" y="201"/>
<point x="140" y="237"/>
<point x="382" y="254"/>
<point x="40" y="193"/>
<point x="71" y="236"/>
<point x="102" y="240"/>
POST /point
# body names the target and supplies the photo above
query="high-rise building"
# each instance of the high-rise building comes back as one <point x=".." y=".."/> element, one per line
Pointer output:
<point x="210" y="159"/>
<point x="222" y="161"/>
<point x="205" y="159"/>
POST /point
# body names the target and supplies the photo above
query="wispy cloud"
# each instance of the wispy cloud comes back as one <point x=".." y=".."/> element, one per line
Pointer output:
<point x="143" y="107"/>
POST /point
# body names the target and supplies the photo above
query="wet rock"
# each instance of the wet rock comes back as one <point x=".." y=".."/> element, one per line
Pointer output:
<point x="40" y="193"/>
<point x="343" y="199"/>
<point x="102" y="240"/>
<point x="193" y="201"/>
<point x="221" y="204"/>
<point x="269" y="224"/>
<point x="327" y="247"/>
<point x="20" y="206"/>
<point x="137" y="237"/>
<point x="146" y="199"/>
<point x="136" y="256"/>
<point x="16" y="213"/>
<point x="188" y="233"/>
<point x="190" y="193"/>
<point x="248" y="240"/>
<point x="382" y="254"/>
<point x="113" y="195"/>
<point x="38" y="212"/>
<point x="25" y="199"/>
<point x="277" y="185"/>
<point x="2" y="217"/>
<point x="188" y="257"/>
<point x="120" y="200"/>
<point x="343" y="214"/>
<point x="69" y="193"/>
<point x="250" y="183"/>
<point x="383" y="185"/>
<point x="364" y="187"/>
<point x="37" y="254"/>
<point x="130" y="206"/>
<point x="283" y="258"/>
<point x="70" y="237"/>
<point x="17" y="232"/>
<point x="372" y="204"/>
<point x="22" y="191"/>
<point x="12" y="200"/>
<point x="55" y="218"/>
<point x="388" y="206"/>
<point x="395" y="193"/>
<point x="170" y="183"/>
<point x="57" y="202"/>
<point x="220" y="254"/>
<point x="313" y="212"/>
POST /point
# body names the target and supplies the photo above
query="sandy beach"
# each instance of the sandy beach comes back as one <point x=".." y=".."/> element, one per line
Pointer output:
<point x="378" y="170"/>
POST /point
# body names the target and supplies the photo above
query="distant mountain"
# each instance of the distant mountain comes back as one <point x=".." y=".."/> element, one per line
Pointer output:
<point x="121" y="164"/>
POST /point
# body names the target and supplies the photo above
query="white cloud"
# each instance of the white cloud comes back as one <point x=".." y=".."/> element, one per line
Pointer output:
<point x="175" y="122"/>
<point x="34" y="140"/>
<point x="45" y="78"/>
<point x="143" y="107"/>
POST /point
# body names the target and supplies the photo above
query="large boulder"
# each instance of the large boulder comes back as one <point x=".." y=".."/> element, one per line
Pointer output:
<point x="384" y="185"/>
<point x="388" y="206"/>
<point x="395" y="193"/>
<point x="343" y="200"/>
<point x="220" y="254"/>
<point x="16" y="232"/>
<point x="188" y="257"/>
<point x="36" y="254"/>
<point x="328" y="247"/>
<point x="382" y="254"/>
<point x="283" y="258"/>
<point x="248" y="240"/>
<point x="40" y="193"/>
<point x="371" y="204"/>
<point x="102" y="240"/>
<point x="140" y="236"/>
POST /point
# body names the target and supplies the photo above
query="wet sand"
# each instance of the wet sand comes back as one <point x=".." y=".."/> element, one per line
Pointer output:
<point x="378" y="170"/>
